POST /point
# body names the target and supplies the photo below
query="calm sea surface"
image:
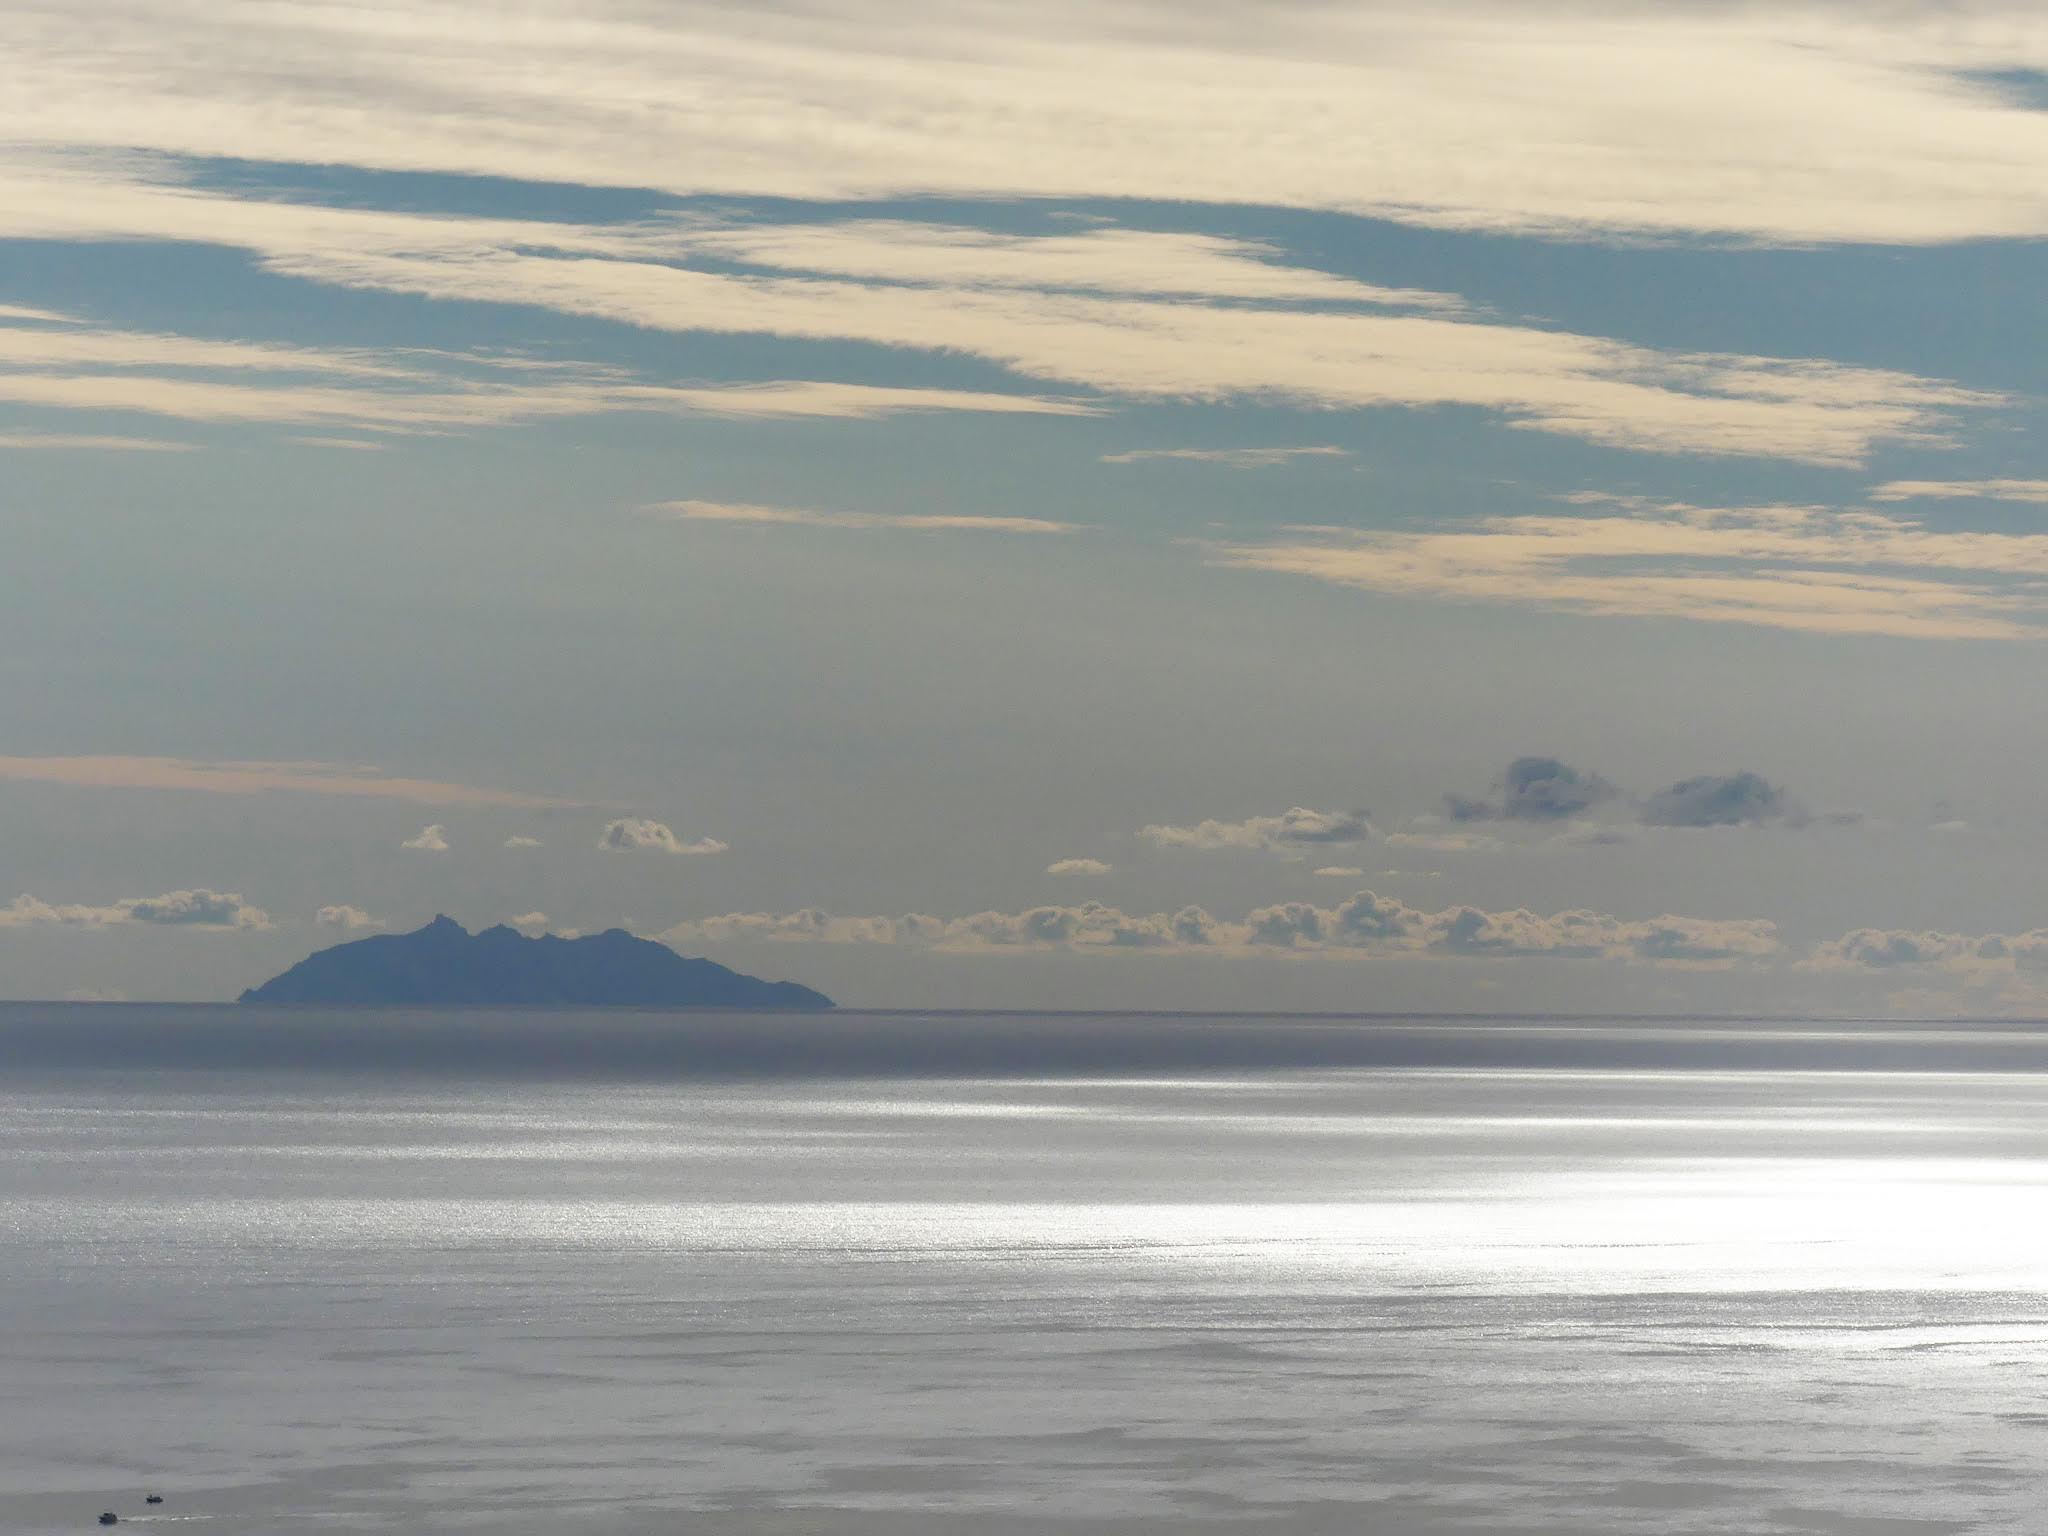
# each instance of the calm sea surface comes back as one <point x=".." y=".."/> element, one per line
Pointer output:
<point x="567" y="1274"/>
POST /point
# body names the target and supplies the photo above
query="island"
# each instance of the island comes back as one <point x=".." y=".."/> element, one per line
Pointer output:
<point x="444" y="965"/>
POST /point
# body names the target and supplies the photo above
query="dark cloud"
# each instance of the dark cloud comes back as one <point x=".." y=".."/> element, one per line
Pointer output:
<point x="1535" y="789"/>
<point x="1719" y="800"/>
<point x="1544" y="789"/>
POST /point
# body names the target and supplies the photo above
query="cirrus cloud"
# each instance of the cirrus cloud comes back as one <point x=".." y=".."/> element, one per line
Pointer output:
<point x="1793" y="123"/>
<point x="1820" y="570"/>
<point x="1325" y="342"/>
<point x="255" y="778"/>
<point x="800" y="517"/>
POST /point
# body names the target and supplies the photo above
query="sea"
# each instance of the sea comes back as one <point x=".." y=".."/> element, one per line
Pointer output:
<point x="559" y="1273"/>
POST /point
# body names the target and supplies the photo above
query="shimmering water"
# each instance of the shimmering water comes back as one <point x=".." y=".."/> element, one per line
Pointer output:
<point x="1800" y="1290"/>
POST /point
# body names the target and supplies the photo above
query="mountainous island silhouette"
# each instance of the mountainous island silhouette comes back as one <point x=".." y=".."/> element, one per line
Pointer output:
<point x="444" y="965"/>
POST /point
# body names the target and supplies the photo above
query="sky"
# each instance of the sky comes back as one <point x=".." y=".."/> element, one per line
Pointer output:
<point x="1466" y="507"/>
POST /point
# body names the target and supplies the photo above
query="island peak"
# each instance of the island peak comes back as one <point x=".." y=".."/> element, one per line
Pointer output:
<point x="444" y="965"/>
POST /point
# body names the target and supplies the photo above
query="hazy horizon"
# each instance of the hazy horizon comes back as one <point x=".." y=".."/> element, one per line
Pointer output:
<point x="1111" y="506"/>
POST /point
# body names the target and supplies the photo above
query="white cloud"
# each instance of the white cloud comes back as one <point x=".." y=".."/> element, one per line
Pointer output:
<point x="1801" y="568"/>
<point x="15" y="312"/>
<point x="431" y="839"/>
<point x="641" y="834"/>
<point x="1293" y="828"/>
<point x="922" y="522"/>
<point x="1794" y="123"/>
<point x="355" y="444"/>
<point x="90" y="442"/>
<point x="531" y="924"/>
<point x="1103" y="260"/>
<point x="798" y="398"/>
<point x="1310" y="351"/>
<point x="1230" y="458"/>
<point x="350" y="918"/>
<point x="1547" y="380"/>
<point x="1340" y="871"/>
<point x="406" y="393"/>
<point x="174" y="909"/>
<point x="1078" y="867"/>
<point x="2035" y="491"/>
<point x="254" y="778"/>
<point x="521" y="840"/>
<point x="1365" y="924"/>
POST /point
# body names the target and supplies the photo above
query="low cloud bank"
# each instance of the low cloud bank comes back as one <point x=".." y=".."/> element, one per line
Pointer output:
<point x="174" y="909"/>
<point x="1293" y="828"/>
<point x="1983" y="955"/>
<point x="1366" y="923"/>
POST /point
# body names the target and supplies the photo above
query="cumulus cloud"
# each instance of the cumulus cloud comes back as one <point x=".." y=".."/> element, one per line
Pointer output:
<point x="1078" y="867"/>
<point x="1718" y="800"/>
<point x="1364" y="924"/>
<point x="1340" y="871"/>
<point x="1545" y="790"/>
<point x="521" y="840"/>
<point x="811" y="925"/>
<point x="1983" y="956"/>
<point x="174" y="909"/>
<point x="1297" y="827"/>
<point x="346" y="917"/>
<point x="432" y="838"/>
<point x="531" y="924"/>
<point x="641" y="834"/>
<point x="1534" y="789"/>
